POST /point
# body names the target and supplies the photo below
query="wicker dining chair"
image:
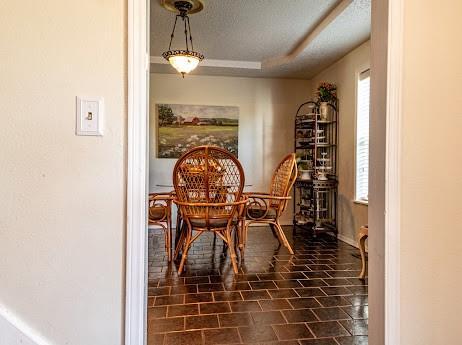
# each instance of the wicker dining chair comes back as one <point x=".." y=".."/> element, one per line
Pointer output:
<point x="160" y="214"/>
<point x="267" y="208"/>
<point x="208" y="184"/>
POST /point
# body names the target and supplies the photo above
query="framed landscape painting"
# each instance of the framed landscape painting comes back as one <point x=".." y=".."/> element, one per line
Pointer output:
<point x="182" y="126"/>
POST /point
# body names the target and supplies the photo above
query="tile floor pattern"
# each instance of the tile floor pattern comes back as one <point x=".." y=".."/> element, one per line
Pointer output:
<point x="310" y="298"/>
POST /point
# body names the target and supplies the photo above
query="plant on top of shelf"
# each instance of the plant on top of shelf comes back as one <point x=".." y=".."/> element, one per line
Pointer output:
<point x="326" y="92"/>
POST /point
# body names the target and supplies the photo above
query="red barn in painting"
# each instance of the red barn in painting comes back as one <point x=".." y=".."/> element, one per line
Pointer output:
<point x="191" y="121"/>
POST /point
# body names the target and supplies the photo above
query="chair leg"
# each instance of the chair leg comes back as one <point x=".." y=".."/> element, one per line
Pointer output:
<point x="169" y="242"/>
<point x="240" y="236"/>
<point x="186" y="245"/>
<point x="237" y="237"/>
<point x="277" y="234"/>
<point x="166" y="243"/>
<point x="362" y="236"/>
<point x="232" y="253"/>
<point x="243" y="238"/>
<point x="179" y="225"/>
<point x="180" y="243"/>
<point x="170" y="234"/>
<point x="283" y="237"/>
<point x="274" y="231"/>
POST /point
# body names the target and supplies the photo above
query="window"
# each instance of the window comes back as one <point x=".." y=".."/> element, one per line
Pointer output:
<point x="362" y="136"/>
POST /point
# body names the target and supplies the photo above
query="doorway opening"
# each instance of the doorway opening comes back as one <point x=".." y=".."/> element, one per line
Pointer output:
<point x="265" y="285"/>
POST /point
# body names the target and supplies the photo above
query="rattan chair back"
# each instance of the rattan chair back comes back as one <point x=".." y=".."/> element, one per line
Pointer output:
<point x="283" y="180"/>
<point x="208" y="175"/>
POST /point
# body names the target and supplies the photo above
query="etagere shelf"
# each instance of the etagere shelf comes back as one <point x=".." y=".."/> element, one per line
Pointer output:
<point x="315" y="199"/>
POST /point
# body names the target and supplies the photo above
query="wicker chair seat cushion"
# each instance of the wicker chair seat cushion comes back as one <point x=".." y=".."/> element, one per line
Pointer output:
<point x="156" y="213"/>
<point x="259" y="212"/>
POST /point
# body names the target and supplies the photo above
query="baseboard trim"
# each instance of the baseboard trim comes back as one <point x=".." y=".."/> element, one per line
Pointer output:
<point x="15" y="331"/>
<point x="350" y="241"/>
<point x="347" y="240"/>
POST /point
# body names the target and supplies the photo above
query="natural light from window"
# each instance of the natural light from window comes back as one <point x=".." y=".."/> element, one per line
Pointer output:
<point x="362" y="137"/>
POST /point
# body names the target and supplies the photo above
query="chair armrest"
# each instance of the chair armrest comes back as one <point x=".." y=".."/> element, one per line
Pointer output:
<point x="160" y="196"/>
<point x="264" y="203"/>
<point x="267" y="196"/>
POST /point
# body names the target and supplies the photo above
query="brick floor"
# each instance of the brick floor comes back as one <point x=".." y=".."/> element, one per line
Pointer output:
<point x="312" y="297"/>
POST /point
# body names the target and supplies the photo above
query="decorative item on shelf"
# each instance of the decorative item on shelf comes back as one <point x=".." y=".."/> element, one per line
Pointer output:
<point x="305" y="203"/>
<point x="319" y="210"/>
<point x="305" y="171"/>
<point x="326" y="93"/>
<point x="320" y="137"/>
<point x="323" y="111"/>
<point x="322" y="170"/>
<point x="304" y="142"/>
<point x="185" y="60"/>
<point x="300" y="134"/>
<point x="308" y="118"/>
<point x="301" y="219"/>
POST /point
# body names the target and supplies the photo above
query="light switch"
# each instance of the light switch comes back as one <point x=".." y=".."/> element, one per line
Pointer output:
<point x="90" y="112"/>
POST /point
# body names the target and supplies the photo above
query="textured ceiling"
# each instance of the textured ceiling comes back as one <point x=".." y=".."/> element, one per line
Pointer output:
<point x="254" y="30"/>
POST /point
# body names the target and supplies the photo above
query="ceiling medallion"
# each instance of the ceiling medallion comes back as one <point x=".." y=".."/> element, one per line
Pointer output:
<point x="183" y="60"/>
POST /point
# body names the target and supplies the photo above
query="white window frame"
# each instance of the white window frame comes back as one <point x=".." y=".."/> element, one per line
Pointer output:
<point x="359" y="72"/>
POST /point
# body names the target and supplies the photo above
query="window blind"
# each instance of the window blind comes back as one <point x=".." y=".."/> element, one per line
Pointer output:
<point x="362" y="136"/>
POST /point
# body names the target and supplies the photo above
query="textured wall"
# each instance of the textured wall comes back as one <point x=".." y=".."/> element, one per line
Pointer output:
<point x="344" y="74"/>
<point x="431" y="224"/>
<point x="266" y="122"/>
<point x="63" y="197"/>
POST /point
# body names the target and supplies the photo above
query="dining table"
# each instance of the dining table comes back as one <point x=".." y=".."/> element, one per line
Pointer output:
<point x="180" y="225"/>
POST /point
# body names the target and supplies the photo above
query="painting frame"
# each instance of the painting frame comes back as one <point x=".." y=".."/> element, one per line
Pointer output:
<point x="181" y="127"/>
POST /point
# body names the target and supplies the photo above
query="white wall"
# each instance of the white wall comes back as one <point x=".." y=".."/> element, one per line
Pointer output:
<point x="266" y="122"/>
<point x="63" y="197"/>
<point x="344" y="74"/>
<point x="431" y="208"/>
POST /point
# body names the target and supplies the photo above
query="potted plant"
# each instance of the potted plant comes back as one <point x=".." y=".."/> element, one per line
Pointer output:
<point x="298" y="157"/>
<point x="305" y="172"/>
<point x="326" y="93"/>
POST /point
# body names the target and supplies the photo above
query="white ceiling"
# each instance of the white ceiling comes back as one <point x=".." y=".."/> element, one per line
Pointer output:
<point x="255" y="30"/>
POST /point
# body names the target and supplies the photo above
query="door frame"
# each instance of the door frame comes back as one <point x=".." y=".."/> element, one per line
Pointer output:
<point x="137" y="172"/>
<point x="386" y="318"/>
<point x="394" y="17"/>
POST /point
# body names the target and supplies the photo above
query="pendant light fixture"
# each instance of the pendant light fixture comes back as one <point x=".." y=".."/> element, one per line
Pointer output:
<point x="185" y="60"/>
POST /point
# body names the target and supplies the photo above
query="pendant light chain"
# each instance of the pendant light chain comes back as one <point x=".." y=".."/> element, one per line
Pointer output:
<point x="186" y="32"/>
<point x="190" y="34"/>
<point x="173" y="33"/>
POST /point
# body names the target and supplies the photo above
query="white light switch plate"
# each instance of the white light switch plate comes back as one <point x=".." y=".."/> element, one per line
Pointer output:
<point x="90" y="113"/>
